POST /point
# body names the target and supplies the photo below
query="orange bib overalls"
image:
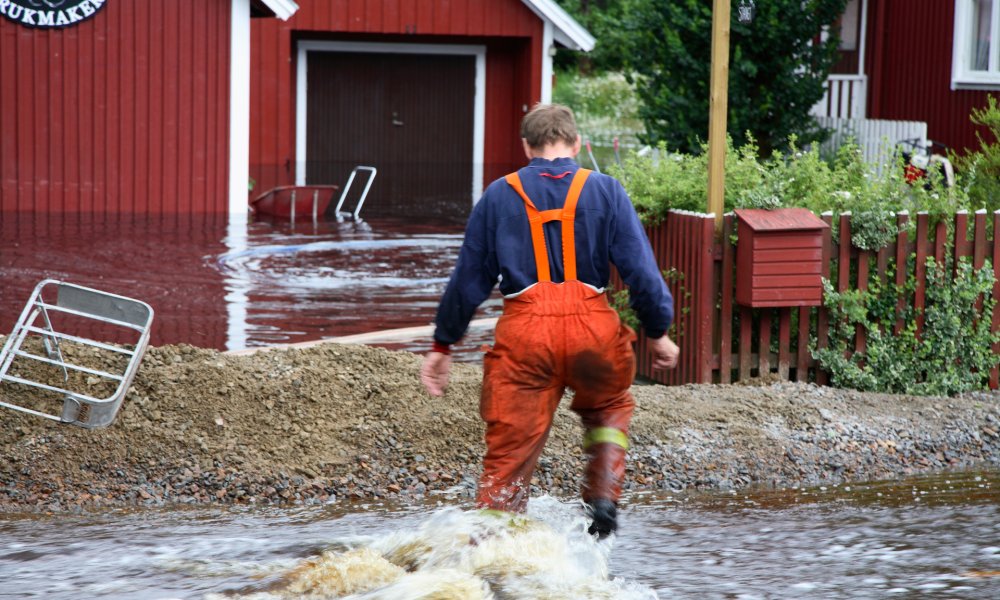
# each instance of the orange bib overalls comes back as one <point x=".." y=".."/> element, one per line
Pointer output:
<point x="550" y="337"/>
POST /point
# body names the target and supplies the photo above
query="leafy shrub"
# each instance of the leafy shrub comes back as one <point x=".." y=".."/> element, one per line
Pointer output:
<point x="620" y="301"/>
<point x="981" y="169"/>
<point x="953" y="354"/>
<point x="795" y="178"/>
<point x="605" y="105"/>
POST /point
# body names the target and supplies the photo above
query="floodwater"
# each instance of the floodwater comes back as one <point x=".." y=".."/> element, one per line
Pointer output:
<point x="232" y="286"/>
<point x="929" y="537"/>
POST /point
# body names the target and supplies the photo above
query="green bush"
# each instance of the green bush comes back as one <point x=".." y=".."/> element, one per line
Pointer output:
<point x="953" y="354"/>
<point x="605" y="105"/>
<point x="794" y="178"/>
<point x="981" y="169"/>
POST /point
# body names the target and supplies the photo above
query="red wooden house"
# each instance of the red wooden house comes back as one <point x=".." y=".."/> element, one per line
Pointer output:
<point x="125" y="106"/>
<point x="431" y="92"/>
<point x="161" y="107"/>
<point x="931" y="61"/>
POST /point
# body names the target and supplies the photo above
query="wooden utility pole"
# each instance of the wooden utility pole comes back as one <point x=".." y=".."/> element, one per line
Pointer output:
<point x="718" y="106"/>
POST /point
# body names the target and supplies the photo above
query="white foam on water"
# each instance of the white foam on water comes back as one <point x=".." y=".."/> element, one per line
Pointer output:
<point x="469" y="555"/>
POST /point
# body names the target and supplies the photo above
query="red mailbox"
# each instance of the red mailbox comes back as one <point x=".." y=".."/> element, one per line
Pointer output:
<point x="779" y="257"/>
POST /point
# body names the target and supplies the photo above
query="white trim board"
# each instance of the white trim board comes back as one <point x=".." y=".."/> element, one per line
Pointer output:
<point x="479" y="101"/>
<point x="239" y="107"/>
<point x="548" y="49"/>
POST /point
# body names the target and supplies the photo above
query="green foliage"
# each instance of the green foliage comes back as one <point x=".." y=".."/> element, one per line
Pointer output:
<point x="620" y="301"/>
<point x="605" y="104"/>
<point x="981" y="169"/>
<point x="795" y="178"/>
<point x="777" y="67"/>
<point x="679" y="181"/>
<point x="873" y="229"/>
<point x="952" y="355"/>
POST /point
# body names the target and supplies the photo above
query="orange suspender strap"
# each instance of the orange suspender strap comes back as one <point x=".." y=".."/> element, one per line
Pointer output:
<point x="566" y="214"/>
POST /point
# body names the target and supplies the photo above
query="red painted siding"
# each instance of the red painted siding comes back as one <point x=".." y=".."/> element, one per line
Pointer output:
<point x="511" y="33"/>
<point x="909" y="64"/>
<point x="127" y="112"/>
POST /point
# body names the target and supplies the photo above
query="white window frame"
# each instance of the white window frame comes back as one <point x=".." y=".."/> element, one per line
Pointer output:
<point x="962" y="77"/>
<point x="479" y="100"/>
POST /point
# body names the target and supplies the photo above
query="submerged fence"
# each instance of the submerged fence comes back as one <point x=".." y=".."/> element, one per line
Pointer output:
<point x="724" y="342"/>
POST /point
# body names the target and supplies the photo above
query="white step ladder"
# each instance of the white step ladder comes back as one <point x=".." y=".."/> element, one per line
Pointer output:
<point x="54" y="316"/>
<point x="372" y="171"/>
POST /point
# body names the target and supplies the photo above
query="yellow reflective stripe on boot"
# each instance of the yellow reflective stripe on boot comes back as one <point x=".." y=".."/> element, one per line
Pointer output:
<point x="515" y="521"/>
<point x="494" y="512"/>
<point x="600" y="435"/>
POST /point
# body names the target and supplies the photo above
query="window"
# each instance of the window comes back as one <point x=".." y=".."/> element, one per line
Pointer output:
<point x="976" y="47"/>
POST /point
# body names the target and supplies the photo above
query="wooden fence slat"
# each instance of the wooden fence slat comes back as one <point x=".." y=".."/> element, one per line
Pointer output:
<point x="882" y="263"/>
<point x="960" y="248"/>
<point x="920" y="269"/>
<point x="860" y="336"/>
<point x="656" y="239"/>
<point x="683" y="253"/>
<point x="706" y="297"/>
<point x="940" y="240"/>
<point x="902" y="270"/>
<point x="784" y="341"/>
<point x="844" y="259"/>
<point x="764" y="349"/>
<point x="823" y="315"/>
<point x="685" y="316"/>
<point x="728" y="293"/>
<point x="746" y="332"/>
<point x="995" y="372"/>
<point x="979" y="239"/>
<point x="802" y="357"/>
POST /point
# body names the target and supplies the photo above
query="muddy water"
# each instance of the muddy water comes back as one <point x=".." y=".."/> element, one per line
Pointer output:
<point x="933" y="537"/>
<point x="216" y="285"/>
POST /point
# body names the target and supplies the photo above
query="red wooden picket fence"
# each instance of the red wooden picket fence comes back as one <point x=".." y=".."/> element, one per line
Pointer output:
<point x="723" y="342"/>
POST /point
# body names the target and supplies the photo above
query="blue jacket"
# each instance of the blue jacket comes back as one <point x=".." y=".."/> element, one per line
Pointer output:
<point x="497" y="247"/>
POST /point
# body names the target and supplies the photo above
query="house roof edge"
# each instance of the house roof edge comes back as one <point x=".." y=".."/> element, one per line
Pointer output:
<point x="283" y="9"/>
<point x="568" y="30"/>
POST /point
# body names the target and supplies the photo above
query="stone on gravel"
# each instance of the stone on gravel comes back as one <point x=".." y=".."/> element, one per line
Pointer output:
<point x="337" y="423"/>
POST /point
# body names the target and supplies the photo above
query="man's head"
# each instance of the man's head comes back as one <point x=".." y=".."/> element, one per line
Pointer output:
<point x="549" y="130"/>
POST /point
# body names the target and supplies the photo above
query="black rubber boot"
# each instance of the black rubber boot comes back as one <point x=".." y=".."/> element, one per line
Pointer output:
<point x="605" y="517"/>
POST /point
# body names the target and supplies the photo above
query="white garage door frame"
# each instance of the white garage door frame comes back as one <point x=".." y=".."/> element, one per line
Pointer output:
<point x="479" y="101"/>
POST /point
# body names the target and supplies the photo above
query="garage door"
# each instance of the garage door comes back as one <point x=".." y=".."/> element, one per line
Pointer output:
<point x="409" y="115"/>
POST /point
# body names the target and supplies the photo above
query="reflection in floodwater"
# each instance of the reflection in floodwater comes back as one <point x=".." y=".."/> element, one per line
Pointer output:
<point x="935" y="536"/>
<point x="231" y="285"/>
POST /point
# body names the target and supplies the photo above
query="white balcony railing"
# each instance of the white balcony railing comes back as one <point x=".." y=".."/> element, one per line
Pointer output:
<point x="845" y="97"/>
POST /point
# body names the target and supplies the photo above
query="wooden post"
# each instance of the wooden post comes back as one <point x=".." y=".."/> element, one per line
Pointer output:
<point x="718" y="105"/>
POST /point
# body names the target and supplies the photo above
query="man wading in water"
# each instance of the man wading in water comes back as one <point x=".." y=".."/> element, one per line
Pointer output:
<point x="548" y="234"/>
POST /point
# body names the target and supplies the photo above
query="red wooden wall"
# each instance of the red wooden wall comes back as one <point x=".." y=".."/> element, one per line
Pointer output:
<point x="511" y="33"/>
<point x="127" y="112"/>
<point x="909" y="62"/>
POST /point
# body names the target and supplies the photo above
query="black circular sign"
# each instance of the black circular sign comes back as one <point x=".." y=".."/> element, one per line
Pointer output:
<point x="48" y="14"/>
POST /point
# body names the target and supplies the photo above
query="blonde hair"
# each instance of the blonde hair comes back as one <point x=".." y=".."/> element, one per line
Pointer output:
<point x="547" y="124"/>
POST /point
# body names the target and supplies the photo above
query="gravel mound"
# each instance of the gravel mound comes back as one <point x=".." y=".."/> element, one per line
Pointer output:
<point x="352" y="423"/>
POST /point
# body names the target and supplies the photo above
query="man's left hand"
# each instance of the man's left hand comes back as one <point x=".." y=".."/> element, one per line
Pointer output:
<point x="434" y="372"/>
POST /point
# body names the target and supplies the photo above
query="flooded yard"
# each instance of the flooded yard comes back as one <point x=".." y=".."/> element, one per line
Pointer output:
<point x="935" y="536"/>
<point x="215" y="285"/>
<point x="230" y="288"/>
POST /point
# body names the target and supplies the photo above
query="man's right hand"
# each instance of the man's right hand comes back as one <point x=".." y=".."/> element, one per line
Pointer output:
<point x="665" y="353"/>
